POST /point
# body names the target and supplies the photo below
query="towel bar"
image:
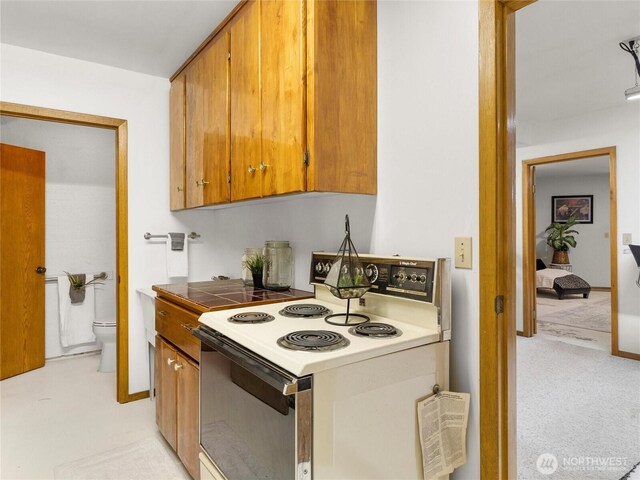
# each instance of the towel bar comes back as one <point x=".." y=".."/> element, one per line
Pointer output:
<point x="192" y="236"/>
<point x="99" y="276"/>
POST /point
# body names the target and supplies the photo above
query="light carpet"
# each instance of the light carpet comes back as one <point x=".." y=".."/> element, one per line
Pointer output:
<point x="579" y="405"/>
<point x="147" y="459"/>
<point x="593" y="313"/>
<point x="579" y="321"/>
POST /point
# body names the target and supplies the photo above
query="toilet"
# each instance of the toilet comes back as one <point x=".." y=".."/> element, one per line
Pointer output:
<point x="105" y="332"/>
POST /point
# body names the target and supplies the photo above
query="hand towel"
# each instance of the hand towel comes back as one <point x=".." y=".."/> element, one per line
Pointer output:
<point x="177" y="260"/>
<point x="76" y="320"/>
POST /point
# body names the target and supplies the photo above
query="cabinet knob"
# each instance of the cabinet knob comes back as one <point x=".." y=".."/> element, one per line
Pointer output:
<point x="180" y="189"/>
<point x="187" y="326"/>
<point x="251" y="169"/>
<point x="162" y="313"/>
<point x="170" y="361"/>
<point x="201" y="183"/>
<point x="177" y="366"/>
<point x="263" y="167"/>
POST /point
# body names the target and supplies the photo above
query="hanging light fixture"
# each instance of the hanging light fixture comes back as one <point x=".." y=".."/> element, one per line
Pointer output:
<point x="347" y="279"/>
<point x="633" y="48"/>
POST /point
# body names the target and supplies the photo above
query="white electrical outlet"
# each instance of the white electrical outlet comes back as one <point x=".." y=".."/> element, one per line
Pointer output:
<point x="627" y="239"/>
<point x="463" y="252"/>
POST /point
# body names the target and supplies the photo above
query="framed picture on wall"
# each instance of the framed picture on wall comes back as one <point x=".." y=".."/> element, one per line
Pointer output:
<point x="562" y="207"/>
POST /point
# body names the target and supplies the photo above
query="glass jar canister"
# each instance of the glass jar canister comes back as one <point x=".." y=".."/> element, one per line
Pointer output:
<point x="247" y="275"/>
<point x="278" y="265"/>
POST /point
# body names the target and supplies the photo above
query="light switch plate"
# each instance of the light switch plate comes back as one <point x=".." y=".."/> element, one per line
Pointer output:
<point x="627" y="238"/>
<point x="462" y="252"/>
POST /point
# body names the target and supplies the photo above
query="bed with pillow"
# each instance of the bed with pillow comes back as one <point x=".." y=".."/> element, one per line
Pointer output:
<point x="563" y="282"/>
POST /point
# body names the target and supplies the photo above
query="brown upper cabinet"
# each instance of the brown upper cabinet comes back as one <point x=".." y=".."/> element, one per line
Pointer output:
<point x="281" y="98"/>
<point x="177" y="143"/>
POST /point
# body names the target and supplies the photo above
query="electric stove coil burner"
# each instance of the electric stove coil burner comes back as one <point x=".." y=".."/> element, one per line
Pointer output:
<point x="251" y="317"/>
<point x="375" y="330"/>
<point x="305" y="310"/>
<point x="313" y="341"/>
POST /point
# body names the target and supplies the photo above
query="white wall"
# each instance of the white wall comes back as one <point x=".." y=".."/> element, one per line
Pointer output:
<point x="619" y="127"/>
<point x="591" y="258"/>
<point x="427" y="161"/>
<point x="79" y="212"/>
<point x="35" y="78"/>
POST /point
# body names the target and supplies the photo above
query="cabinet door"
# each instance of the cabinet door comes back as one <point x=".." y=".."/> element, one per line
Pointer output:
<point x="165" y="384"/>
<point x="283" y="108"/>
<point x="194" y="121"/>
<point x="342" y="96"/>
<point x="188" y="389"/>
<point x="207" y="153"/>
<point x="177" y="143"/>
<point x="245" y="103"/>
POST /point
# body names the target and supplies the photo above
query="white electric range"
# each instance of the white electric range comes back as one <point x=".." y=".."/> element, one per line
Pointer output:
<point x="344" y="410"/>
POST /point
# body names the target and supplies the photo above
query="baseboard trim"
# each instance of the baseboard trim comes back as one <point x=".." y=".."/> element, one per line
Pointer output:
<point x="132" y="397"/>
<point x="601" y="289"/>
<point x="632" y="356"/>
<point x="520" y="333"/>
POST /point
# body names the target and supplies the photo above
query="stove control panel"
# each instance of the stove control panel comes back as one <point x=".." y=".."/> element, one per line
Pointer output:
<point x="395" y="276"/>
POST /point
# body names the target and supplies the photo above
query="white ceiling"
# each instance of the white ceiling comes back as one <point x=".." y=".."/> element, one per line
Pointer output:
<point x="153" y="37"/>
<point x="568" y="61"/>
<point x="568" y="58"/>
<point x="588" y="166"/>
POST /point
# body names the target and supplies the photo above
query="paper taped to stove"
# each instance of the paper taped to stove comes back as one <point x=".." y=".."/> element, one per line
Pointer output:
<point x="442" y="422"/>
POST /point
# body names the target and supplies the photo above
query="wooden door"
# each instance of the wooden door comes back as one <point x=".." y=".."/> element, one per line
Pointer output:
<point x="207" y="122"/>
<point x="177" y="143"/>
<point x="166" y="357"/>
<point x="188" y="388"/>
<point x="283" y="109"/>
<point x="22" y="251"/>
<point x="245" y="103"/>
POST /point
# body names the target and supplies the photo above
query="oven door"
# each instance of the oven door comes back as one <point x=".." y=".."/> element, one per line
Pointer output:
<point x="255" y="418"/>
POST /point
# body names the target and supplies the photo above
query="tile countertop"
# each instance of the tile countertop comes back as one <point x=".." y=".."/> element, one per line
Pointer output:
<point x="210" y="296"/>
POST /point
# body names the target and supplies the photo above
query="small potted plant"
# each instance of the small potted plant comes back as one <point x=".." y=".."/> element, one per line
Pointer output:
<point x="255" y="264"/>
<point x="560" y="236"/>
<point x="77" y="284"/>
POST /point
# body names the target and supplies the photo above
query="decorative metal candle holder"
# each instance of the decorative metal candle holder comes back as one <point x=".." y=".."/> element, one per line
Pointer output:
<point x="347" y="279"/>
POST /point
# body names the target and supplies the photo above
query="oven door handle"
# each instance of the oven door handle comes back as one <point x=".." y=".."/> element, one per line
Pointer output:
<point x="256" y="365"/>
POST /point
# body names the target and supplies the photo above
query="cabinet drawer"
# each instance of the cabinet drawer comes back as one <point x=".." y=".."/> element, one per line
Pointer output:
<point x="175" y="324"/>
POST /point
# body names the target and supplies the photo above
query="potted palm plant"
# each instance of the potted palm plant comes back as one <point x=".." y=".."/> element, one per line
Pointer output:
<point x="560" y="236"/>
<point x="255" y="264"/>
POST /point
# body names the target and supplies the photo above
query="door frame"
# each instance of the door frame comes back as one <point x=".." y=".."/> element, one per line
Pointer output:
<point x="529" y="326"/>
<point x="122" y="262"/>
<point x="497" y="148"/>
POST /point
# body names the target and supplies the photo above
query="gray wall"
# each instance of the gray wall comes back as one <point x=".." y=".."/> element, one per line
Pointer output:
<point x="591" y="259"/>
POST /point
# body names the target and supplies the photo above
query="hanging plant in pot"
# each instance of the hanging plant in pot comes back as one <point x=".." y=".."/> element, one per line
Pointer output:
<point x="560" y="236"/>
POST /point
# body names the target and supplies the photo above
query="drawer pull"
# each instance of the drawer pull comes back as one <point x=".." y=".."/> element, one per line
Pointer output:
<point x="170" y="361"/>
<point x="177" y="366"/>
<point x="162" y="313"/>
<point x="187" y="326"/>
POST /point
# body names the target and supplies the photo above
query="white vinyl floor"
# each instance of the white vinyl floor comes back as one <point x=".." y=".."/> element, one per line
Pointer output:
<point x="63" y="412"/>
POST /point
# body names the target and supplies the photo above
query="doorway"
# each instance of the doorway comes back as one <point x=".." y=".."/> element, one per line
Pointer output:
<point x="121" y="274"/>
<point x="531" y="235"/>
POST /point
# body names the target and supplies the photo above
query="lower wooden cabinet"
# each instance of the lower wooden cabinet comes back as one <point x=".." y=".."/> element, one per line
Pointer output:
<point x="177" y="408"/>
